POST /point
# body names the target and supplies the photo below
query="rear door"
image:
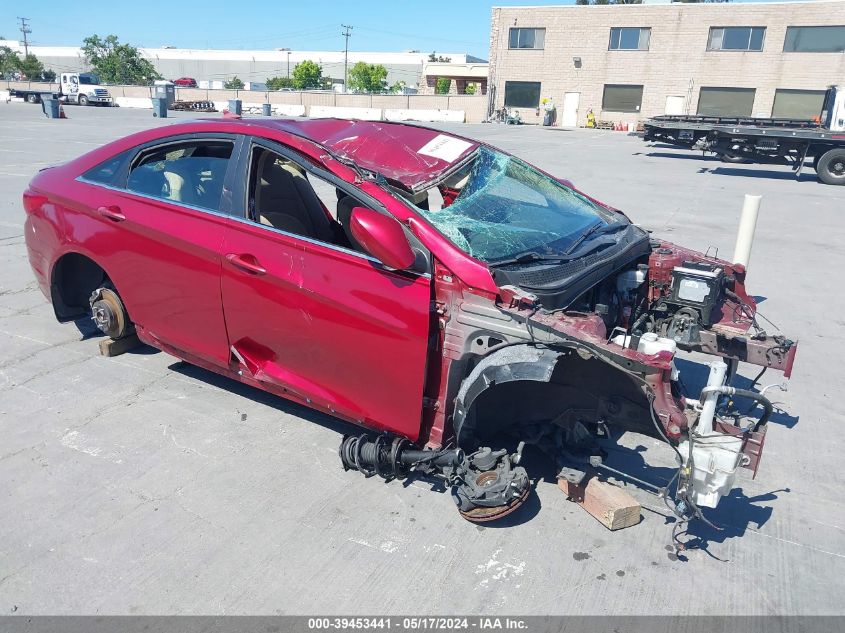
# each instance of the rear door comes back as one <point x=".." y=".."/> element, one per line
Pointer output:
<point x="162" y="233"/>
<point x="311" y="315"/>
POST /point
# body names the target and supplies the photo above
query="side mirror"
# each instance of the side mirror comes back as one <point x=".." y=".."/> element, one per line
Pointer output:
<point x="382" y="237"/>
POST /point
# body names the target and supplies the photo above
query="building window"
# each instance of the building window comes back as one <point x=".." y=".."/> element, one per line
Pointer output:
<point x="736" y="38"/>
<point x="629" y="39"/>
<point x="522" y="94"/>
<point x="814" y="39"/>
<point x="726" y="101"/>
<point x="622" y="98"/>
<point x="798" y="104"/>
<point x="527" y="38"/>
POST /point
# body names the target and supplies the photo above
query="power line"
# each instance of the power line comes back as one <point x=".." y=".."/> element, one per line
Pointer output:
<point x="346" y="33"/>
<point x="26" y="31"/>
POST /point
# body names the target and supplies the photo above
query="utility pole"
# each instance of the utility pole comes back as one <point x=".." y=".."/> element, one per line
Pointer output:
<point x="346" y="33"/>
<point x="288" y="64"/>
<point x="26" y="31"/>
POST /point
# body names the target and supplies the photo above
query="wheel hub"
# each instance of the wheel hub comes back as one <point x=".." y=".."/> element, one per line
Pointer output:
<point x="108" y="313"/>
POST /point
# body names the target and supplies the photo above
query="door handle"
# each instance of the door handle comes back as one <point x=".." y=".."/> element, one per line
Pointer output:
<point x="241" y="261"/>
<point x="112" y="213"/>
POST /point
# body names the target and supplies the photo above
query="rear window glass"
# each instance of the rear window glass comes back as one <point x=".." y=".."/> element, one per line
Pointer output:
<point x="108" y="171"/>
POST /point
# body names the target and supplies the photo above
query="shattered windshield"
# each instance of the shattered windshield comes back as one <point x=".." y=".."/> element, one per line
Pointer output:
<point x="499" y="207"/>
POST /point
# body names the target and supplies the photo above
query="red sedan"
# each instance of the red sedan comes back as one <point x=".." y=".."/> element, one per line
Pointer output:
<point x="428" y="287"/>
<point x="185" y="82"/>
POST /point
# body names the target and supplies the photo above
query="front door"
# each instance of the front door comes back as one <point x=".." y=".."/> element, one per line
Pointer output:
<point x="307" y="313"/>
<point x="570" y="109"/>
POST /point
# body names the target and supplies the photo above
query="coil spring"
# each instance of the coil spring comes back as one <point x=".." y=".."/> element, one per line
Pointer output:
<point x="377" y="457"/>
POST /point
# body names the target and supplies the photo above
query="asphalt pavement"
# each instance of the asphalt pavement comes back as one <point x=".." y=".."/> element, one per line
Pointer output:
<point x="142" y="485"/>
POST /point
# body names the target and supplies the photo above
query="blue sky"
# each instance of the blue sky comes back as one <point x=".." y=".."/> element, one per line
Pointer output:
<point x="379" y="25"/>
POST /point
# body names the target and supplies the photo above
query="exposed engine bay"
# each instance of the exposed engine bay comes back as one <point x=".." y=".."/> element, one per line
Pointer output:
<point x="570" y="350"/>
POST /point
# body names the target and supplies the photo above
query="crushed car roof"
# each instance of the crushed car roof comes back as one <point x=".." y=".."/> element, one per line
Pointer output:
<point x="408" y="154"/>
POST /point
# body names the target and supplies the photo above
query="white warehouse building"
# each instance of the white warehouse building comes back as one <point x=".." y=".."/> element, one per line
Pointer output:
<point x="254" y="66"/>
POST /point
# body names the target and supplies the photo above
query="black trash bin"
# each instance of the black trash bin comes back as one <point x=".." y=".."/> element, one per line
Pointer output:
<point x="50" y="106"/>
<point x="266" y="109"/>
<point x="235" y="106"/>
<point x="160" y="107"/>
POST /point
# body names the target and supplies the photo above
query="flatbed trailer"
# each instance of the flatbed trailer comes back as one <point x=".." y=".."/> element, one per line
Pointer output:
<point x="31" y="96"/>
<point x="783" y="145"/>
<point x="692" y="130"/>
<point x="794" y="142"/>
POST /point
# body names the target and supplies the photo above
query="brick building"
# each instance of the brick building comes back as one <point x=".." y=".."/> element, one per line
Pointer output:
<point x="629" y="62"/>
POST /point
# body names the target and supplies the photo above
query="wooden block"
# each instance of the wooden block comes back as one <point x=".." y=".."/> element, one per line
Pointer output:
<point x="610" y="505"/>
<point x="109" y="347"/>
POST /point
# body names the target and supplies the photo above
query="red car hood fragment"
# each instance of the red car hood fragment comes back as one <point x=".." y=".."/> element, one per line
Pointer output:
<point x="409" y="155"/>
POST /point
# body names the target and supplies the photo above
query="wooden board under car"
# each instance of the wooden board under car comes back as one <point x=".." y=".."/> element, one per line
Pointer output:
<point x="610" y="505"/>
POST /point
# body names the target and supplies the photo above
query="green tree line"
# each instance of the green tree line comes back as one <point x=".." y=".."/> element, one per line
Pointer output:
<point x="28" y="66"/>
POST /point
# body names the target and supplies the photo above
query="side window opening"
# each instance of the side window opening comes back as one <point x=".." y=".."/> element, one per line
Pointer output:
<point x="192" y="172"/>
<point x="107" y="172"/>
<point x="285" y="196"/>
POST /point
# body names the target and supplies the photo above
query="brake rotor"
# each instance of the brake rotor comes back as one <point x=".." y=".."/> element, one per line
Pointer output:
<point x="483" y="514"/>
<point x="108" y="313"/>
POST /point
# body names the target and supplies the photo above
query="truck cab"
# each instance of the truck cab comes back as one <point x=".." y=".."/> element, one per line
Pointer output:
<point x="83" y="89"/>
<point x="833" y="109"/>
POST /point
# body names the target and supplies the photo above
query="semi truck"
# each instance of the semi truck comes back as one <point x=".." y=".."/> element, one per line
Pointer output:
<point x="80" y="88"/>
<point x="795" y="142"/>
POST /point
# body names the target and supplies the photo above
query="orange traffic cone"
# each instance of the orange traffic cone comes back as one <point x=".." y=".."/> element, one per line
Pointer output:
<point x="62" y="114"/>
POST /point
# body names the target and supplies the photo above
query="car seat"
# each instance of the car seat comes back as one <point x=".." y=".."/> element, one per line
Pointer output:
<point x="285" y="200"/>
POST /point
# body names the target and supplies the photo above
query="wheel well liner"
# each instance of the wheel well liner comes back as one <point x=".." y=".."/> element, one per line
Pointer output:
<point x="509" y="364"/>
<point x="521" y="383"/>
<point x="72" y="281"/>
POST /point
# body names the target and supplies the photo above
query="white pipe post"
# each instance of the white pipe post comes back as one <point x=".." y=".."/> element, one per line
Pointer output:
<point x="718" y="371"/>
<point x="747" y="225"/>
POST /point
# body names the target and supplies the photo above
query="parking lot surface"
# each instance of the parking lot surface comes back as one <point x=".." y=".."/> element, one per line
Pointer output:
<point x="142" y="485"/>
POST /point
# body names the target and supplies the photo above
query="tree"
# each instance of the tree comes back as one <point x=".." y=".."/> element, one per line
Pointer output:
<point x="31" y="67"/>
<point x="277" y="83"/>
<point x="470" y="89"/>
<point x="49" y="76"/>
<point x="365" y="77"/>
<point x="434" y="57"/>
<point x="307" y="75"/>
<point x="398" y="87"/>
<point x="9" y="61"/>
<point x="117" y="63"/>
<point x="234" y="83"/>
<point x="444" y="84"/>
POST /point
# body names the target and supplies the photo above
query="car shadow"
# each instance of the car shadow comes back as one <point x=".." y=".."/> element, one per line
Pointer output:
<point x="735" y="514"/>
<point x="688" y="155"/>
<point x="694" y="377"/>
<point x="660" y="145"/>
<point x="88" y="330"/>
<point x="732" y="518"/>
<point x="265" y="398"/>
<point x="532" y="458"/>
<point x="770" y="174"/>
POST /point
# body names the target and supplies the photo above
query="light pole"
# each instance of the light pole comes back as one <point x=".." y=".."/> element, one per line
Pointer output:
<point x="288" y="64"/>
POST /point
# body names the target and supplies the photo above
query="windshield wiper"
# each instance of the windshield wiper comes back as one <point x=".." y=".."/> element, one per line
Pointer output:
<point x="529" y="256"/>
<point x="533" y="256"/>
<point x="596" y="229"/>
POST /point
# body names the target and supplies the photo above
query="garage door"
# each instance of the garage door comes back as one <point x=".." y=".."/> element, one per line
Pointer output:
<point x="726" y="101"/>
<point x="798" y="104"/>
